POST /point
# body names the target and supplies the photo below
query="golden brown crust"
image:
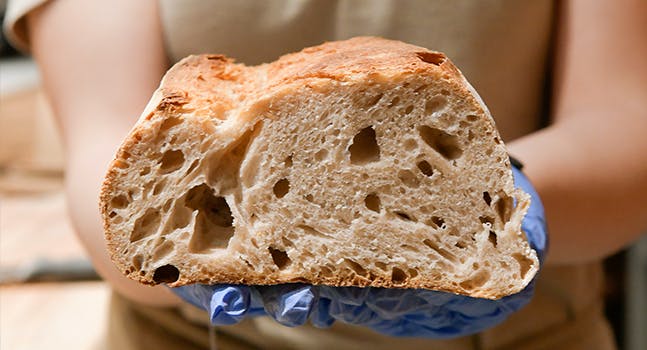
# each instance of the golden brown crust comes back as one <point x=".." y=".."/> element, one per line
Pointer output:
<point x="212" y="85"/>
<point x="344" y="60"/>
<point x="200" y="80"/>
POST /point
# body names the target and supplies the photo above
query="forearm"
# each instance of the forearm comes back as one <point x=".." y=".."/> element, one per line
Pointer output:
<point x="98" y="75"/>
<point x="593" y="186"/>
<point x="590" y="166"/>
<point x="86" y="165"/>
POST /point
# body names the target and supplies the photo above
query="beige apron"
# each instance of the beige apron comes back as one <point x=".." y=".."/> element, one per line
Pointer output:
<point x="503" y="48"/>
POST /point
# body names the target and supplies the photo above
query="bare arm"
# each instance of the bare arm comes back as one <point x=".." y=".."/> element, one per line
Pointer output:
<point x="100" y="63"/>
<point x="590" y="166"/>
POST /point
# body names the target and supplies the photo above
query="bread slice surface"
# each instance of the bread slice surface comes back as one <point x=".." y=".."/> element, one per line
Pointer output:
<point x="365" y="162"/>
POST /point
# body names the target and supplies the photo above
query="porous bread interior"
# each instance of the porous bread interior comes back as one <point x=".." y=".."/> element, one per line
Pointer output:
<point x="389" y="181"/>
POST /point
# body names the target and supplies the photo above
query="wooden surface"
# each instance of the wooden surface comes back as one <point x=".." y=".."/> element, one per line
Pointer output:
<point x="66" y="315"/>
<point x="53" y="316"/>
<point x="36" y="226"/>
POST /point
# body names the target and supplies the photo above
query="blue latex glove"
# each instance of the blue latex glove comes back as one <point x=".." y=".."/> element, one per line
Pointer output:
<point x="396" y="312"/>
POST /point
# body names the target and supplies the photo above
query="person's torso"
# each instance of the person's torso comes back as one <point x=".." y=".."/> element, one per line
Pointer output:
<point x="502" y="46"/>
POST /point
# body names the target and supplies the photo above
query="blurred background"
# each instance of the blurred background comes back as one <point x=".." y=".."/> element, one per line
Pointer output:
<point x="50" y="296"/>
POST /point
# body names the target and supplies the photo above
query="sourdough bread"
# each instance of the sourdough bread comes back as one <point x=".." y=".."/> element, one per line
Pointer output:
<point x="364" y="162"/>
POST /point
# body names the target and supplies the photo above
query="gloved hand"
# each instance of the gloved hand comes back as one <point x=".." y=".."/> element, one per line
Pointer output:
<point x="396" y="312"/>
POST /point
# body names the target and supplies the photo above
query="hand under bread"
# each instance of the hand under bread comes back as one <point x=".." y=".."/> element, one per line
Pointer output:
<point x="395" y="312"/>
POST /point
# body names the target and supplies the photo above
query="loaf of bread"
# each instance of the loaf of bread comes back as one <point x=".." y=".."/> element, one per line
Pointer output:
<point x="365" y="162"/>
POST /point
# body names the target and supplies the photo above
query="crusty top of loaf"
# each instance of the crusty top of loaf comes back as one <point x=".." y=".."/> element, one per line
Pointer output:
<point x="200" y="81"/>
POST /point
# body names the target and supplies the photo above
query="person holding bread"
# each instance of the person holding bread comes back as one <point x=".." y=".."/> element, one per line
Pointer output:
<point x="565" y="83"/>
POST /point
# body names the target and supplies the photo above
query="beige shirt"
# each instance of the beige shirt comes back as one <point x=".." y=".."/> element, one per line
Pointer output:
<point x="502" y="46"/>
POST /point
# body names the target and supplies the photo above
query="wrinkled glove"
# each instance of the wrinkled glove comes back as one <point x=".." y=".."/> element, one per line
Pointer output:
<point x="395" y="312"/>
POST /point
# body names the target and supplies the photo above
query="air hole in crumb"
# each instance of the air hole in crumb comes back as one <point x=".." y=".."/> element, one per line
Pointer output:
<point x="364" y="148"/>
<point x="248" y="264"/>
<point x="287" y="242"/>
<point x="503" y="207"/>
<point x="372" y="202"/>
<point x="112" y="214"/>
<point x="280" y="258"/>
<point x="410" y="144"/>
<point x="444" y="92"/>
<point x="460" y="245"/>
<point x="311" y="231"/>
<point x="214" y="222"/>
<point x="492" y="237"/>
<point x="524" y="264"/>
<point x="441" y="142"/>
<point x="281" y="188"/>
<point x="167" y="205"/>
<point x="121" y="164"/>
<point x="146" y="225"/>
<point x="321" y="155"/>
<point x="119" y="202"/>
<point x="412" y="273"/>
<point x="137" y="262"/>
<point x="435" y="104"/>
<point x="169" y="123"/>
<point x="497" y="140"/>
<point x="435" y="58"/>
<point x="325" y="272"/>
<point x="479" y="279"/>
<point x="288" y="161"/>
<point x="181" y="216"/>
<point x="425" y="168"/>
<point x="309" y="198"/>
<point x="408" y="109"/>
<point x="166" y="274"/>
<point x="408" y="178"/>
<point x="380" y="265"/>
<point x="398" y="276"/>
<point x="192" y="166"/>
<point x="486" y="220"/>
<point x="470" y="135"/>
<point x="421" y="88"/>
<point x="410" y="248"/>
<point x="356" y="267"/>
<point x="403" y="216"/>
<point x="171" y="160"/>
<point x="374" y="100"/>
<point x="471" y="118"/>
<point x="163" y="250"/>
<point x="436" y="222"/>
<point x="145" y="171"/>
<point x="487" y="198"/>
<point x="441" y="251"/>
<point x="159" y="187"/>
<point x="394" y="101"/>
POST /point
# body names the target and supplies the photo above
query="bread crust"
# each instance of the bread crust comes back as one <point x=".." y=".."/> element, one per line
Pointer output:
<point x="236" y="98"/>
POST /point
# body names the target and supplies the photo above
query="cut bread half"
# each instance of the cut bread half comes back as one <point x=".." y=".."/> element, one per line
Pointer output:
<point x="364" y="162"/>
